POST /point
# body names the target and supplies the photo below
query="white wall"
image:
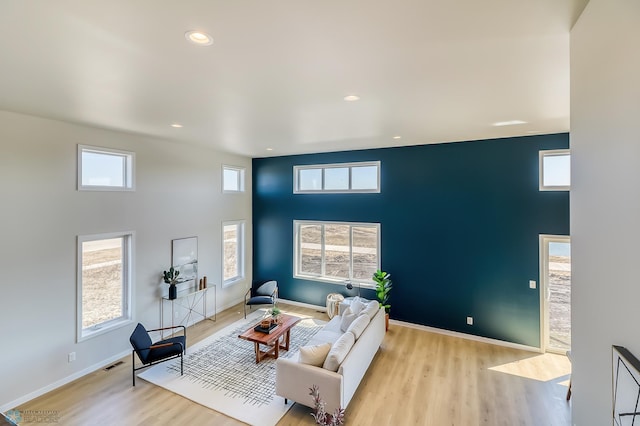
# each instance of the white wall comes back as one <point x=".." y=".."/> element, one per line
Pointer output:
<point x="178" y="194"/>
<point x="605" y="199"/>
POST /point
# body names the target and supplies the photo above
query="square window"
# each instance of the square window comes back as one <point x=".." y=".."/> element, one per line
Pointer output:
<point x="310" y="180"/>
<point x="103" y="169"/>
<point x="232" y="179"/>
<point x="555" y="170"/>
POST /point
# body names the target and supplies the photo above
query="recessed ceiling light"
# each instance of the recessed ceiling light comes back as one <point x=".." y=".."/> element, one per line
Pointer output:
<point x="509" y="123"/>
<point x="397" y="137"/>
<point x="176" y="125"/>
<point x="351" y="98"/>
<point x="269" y="149"/>
<point x="198" y="38"/>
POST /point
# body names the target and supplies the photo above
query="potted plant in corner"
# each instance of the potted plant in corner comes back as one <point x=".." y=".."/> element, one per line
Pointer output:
<point x="171" y="278"/>
<point x="383" y="288"/>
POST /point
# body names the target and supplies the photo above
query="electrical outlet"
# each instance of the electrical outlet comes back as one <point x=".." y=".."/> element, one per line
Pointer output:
<point x="469" y="320"/>
<point x="532" y="284"/>
<point x="71" y="357"/>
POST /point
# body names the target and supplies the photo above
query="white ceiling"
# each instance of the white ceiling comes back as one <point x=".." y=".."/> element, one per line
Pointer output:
<point x="275" y="77"/>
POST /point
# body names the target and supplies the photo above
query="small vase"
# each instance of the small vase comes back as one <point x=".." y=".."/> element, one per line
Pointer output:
<point x="173" y="291"/>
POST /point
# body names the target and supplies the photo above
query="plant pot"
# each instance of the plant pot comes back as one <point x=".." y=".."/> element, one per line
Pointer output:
<point x="173" y="291"/>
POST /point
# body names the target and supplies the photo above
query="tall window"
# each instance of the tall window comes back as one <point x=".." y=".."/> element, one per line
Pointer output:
<point x="104" y="282"/>
<point x="555" y="170"/>
<point x="232" y="179"/>
<point x="104" y="169"/>
<point x="233" y="252"/>
<point x="336" y="251"/>
<point x="337" y="178"/>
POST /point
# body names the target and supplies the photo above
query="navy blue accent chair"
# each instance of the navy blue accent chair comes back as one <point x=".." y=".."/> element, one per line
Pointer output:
<point x="261" y="293"/>
<point x="151" y="353"/>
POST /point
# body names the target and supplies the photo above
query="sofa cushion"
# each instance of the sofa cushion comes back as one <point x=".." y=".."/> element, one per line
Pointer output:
<point x="371" y="309"/>
<point x="358" y="325"/>
<point x="357" y="305"/>
<point x="314" y="355"/>
<point x="347" y="318"/>
<point x="339" y="351"/>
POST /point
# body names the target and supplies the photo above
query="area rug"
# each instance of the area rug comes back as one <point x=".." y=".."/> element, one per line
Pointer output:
<point x="220" y="372"/>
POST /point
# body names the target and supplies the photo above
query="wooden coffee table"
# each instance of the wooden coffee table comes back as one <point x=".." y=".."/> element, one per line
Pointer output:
<point x="271" y="340"/>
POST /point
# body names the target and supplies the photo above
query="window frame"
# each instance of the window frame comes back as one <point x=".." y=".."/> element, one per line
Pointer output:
<point x="128" y="177"/>
<point x="240" y="253"/>
<point x="552" y="153"/>
<point x="128" y="260"/>
<point x="240" y="181"/>
<point x="323" y="167"/>
<point x="297" y="252"/>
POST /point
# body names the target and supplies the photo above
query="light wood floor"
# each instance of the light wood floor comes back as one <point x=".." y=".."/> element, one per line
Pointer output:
<point x="417" y="378"/>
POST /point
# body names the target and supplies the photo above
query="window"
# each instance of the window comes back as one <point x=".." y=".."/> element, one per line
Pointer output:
<point x="232" y="179"/>
<point x="337" y="178"/>
<point x="555" y="170"/>
<point x="233" y="252"/>
<point x="103" y="169"/>
<point x="104" y="282"/>
<point x="336" y="251"/>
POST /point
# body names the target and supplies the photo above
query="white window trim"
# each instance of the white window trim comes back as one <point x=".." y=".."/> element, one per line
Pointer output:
<point x="129" y="172"/>
<point x="241" y="253"/>
<point x="241" y="179"/>
<point x="128" y="274"/>
<point x="549" y="153"/>
<point x="320" y="278"/>
<point x="296" y="173"/>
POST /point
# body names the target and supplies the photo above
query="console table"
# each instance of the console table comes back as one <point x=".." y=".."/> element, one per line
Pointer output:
<point x="193" y="303"/>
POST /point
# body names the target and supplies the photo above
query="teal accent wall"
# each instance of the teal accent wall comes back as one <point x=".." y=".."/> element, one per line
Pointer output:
<point x="459" y="230"/>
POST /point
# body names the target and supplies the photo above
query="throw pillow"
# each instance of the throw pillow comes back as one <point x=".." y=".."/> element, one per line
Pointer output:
<point x="358" y="325"/>
<point x="347" y="319"/>
<point x="371" y="309"/>
<point x="356" y="306"/>
<point x="339" y="352"/>
<point x="314" y="355"/>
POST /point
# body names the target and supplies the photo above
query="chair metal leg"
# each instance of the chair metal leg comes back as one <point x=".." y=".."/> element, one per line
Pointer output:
<point x="133" y="367"/>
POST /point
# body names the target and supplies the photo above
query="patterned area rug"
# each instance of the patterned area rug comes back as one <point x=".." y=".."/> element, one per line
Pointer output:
<point x="221" y="373"/>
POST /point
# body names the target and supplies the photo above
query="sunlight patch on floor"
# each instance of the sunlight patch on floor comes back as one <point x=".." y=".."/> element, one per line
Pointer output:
<point x="543" y="367"/>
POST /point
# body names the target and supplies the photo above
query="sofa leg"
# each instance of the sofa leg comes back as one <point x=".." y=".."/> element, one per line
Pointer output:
<point x="286" y="401"/>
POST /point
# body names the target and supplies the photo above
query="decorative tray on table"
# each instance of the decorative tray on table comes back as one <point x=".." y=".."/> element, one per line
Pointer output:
<point x="267" y="330"/>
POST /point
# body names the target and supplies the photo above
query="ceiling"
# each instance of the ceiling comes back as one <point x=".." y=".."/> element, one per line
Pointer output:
<point x="276" y="74"/>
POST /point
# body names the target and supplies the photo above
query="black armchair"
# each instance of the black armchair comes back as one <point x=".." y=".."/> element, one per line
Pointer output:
<point x="261" y="293"/>
<point x="154" y="353"/>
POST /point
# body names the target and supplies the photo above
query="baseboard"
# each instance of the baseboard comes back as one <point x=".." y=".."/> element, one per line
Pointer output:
<point x="63" y="381"/>
<point x="303" y="305"/>
<point x="466" y="336"/>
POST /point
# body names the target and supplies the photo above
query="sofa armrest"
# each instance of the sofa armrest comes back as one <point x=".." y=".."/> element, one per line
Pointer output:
<point x="294" y="379"/>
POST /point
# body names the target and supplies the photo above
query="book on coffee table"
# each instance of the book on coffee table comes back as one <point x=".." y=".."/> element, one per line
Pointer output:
<point x="262" y="329"/>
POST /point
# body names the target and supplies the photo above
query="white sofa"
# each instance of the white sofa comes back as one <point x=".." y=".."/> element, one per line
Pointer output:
<point x="294" y="378"/>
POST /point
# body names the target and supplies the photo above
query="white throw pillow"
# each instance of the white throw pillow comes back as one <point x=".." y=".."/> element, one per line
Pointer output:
<point x="358" y="325"/>
<point x="347" y="318"/>
<point x="371" y="309"/>
<point x="339" y="352"/>
<point x="357" y="305"/>
<point x="314" y="355"/>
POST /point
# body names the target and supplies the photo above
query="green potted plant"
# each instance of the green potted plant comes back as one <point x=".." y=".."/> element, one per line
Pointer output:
<point x="171" y="277"/>
<point x="275" y="311"/>
<point x="383" y="288"/>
